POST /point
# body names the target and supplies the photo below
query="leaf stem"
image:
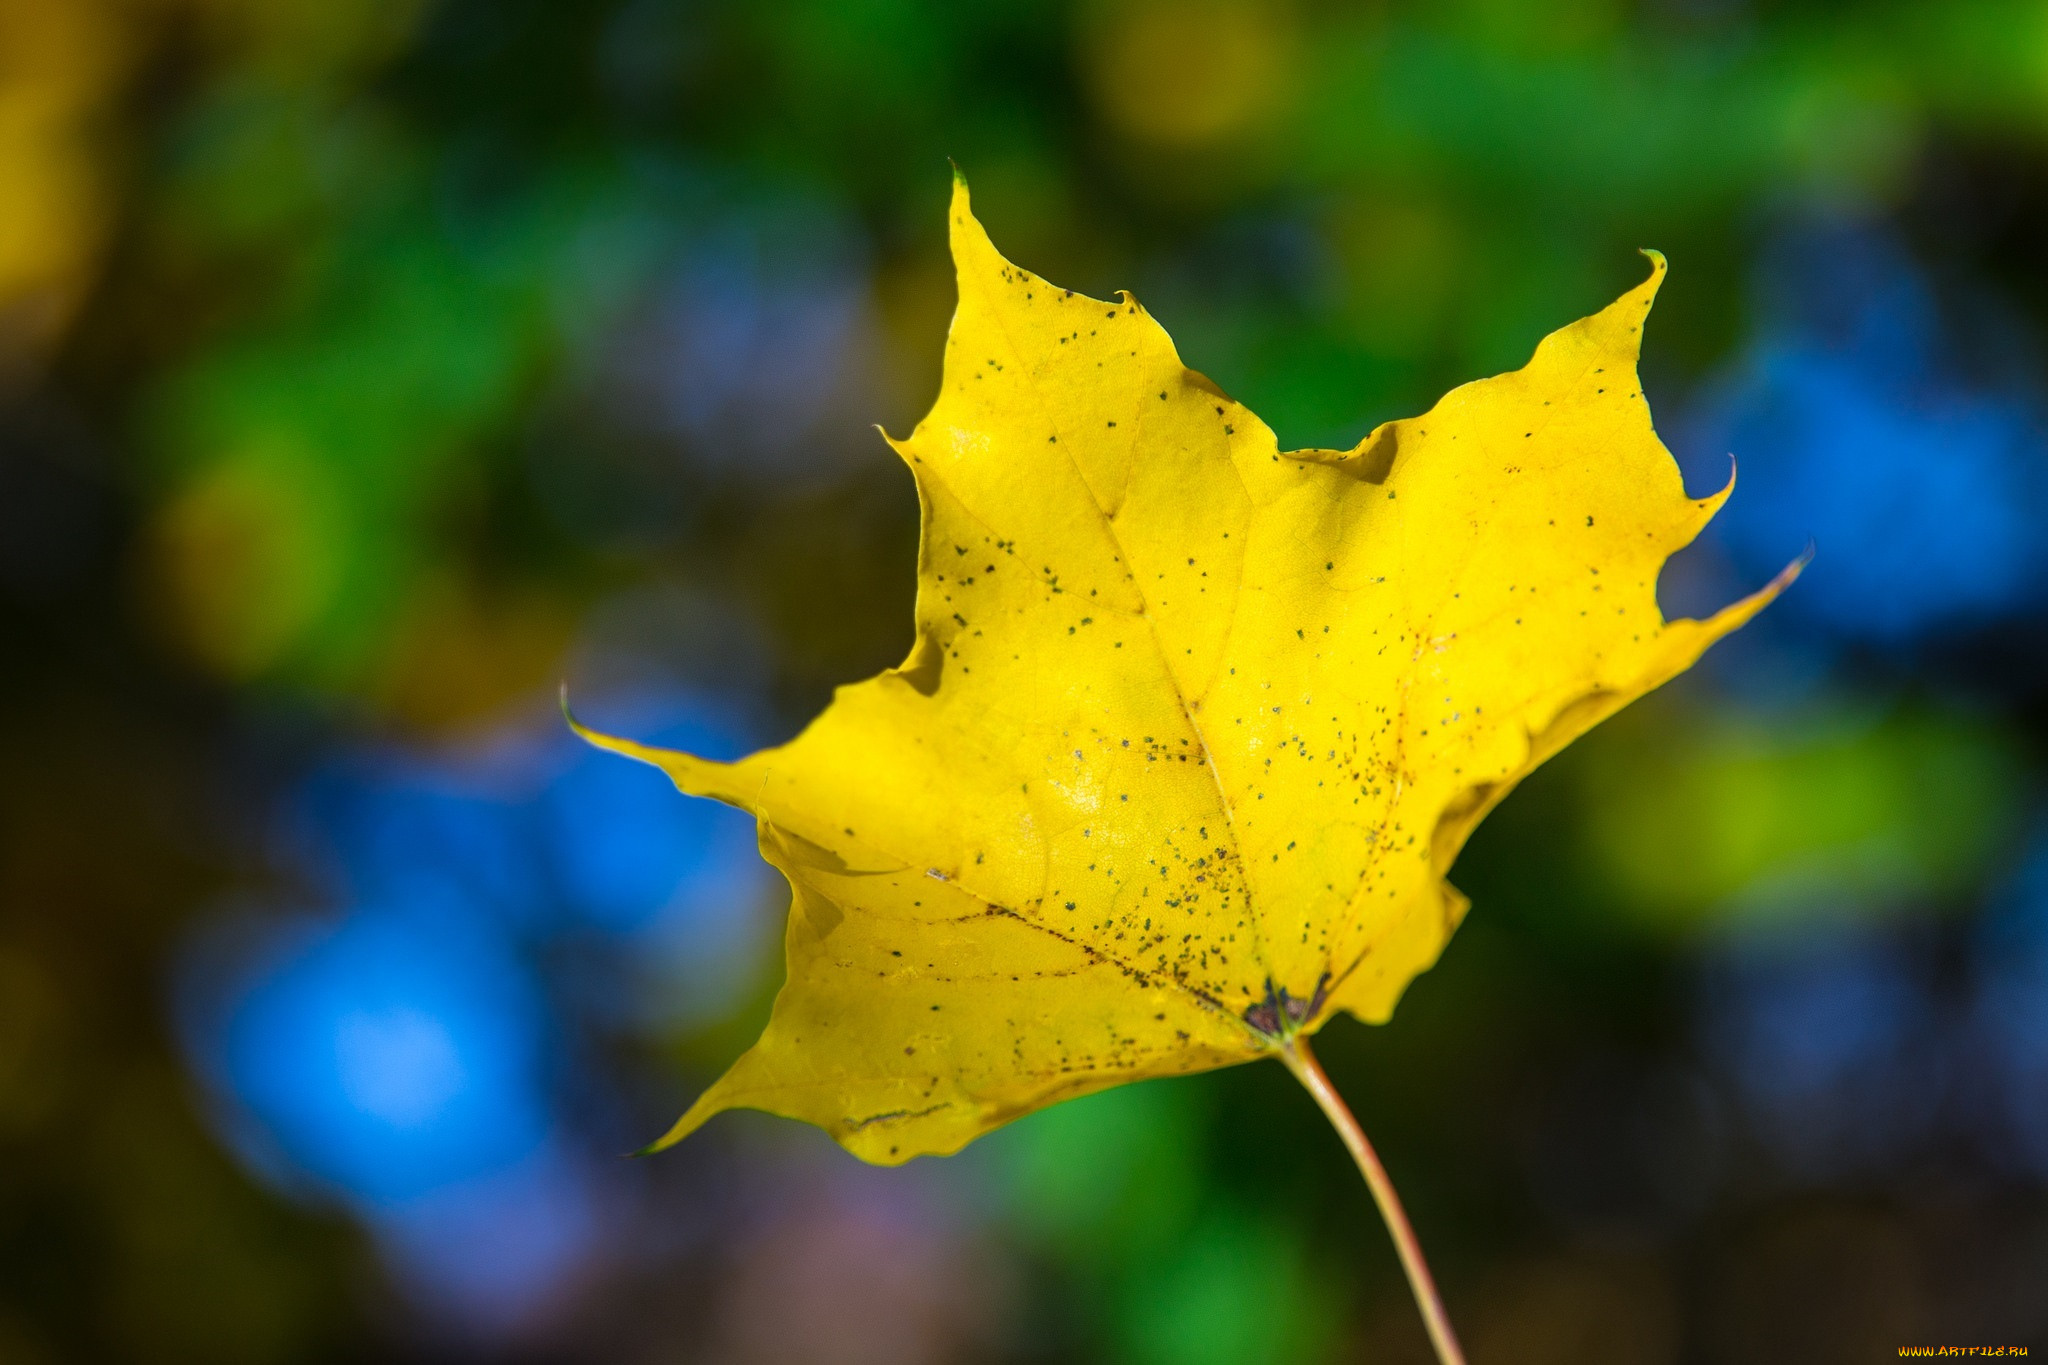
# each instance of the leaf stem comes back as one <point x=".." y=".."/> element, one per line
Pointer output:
<point x="1302" y="1062"/>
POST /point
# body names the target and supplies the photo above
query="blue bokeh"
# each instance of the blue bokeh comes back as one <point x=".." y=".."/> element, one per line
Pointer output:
<point x="398" y="1050"/>
<point x="1919" y="473"/>
<point x="403" y="827"/>
<point x="626" y="848"/>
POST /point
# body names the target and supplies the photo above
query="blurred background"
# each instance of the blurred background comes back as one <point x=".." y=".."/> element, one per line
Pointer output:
<point x="367" y="367"/>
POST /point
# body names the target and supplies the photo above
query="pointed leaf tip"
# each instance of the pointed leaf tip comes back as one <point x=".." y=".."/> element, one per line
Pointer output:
<point x="577" y="727"/>
<point x="1653" y="283"/>
<point x="693" y="1118"/>
<point x="1790" y="573"/>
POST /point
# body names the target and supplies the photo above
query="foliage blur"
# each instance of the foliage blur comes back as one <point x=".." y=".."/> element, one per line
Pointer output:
<point x="369" y="366"/>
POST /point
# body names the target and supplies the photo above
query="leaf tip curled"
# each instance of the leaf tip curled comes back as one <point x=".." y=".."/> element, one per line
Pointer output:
<point x="1645" y="294"/>
<point x="1707" y="508"/>
<point x="1614" y="334"/>
<point x="581" y="731"/>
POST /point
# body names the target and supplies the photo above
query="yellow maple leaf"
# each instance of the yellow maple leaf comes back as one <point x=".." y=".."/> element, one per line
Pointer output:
<point x="1193" y="727"/>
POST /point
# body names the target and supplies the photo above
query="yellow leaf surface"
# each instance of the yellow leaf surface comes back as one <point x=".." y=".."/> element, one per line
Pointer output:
<point x="1193" y="727"/>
